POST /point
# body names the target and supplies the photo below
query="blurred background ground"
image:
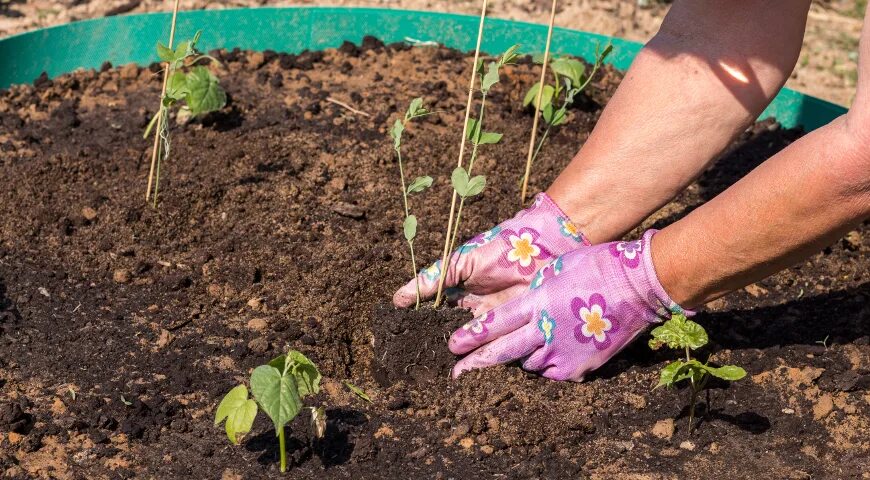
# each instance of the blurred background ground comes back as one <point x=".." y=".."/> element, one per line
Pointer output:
<point x="827" y="67"/>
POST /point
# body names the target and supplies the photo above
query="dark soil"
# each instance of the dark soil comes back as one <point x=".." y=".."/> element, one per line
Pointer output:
<point x="121" y="325"/>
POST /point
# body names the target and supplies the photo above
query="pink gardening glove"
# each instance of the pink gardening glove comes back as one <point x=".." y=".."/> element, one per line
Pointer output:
<point x="580" y="310"/>
<point x="498" y="264"/>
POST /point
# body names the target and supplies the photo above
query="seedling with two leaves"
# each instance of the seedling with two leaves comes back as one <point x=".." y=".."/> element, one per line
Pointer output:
<point x="419" y="184"/>
<point x="279" y="389"/>
<point x="192" y="87"/>
<point x="680" y="333"/>
<point x="464" y="183"/>
<point x="569" y="79"/>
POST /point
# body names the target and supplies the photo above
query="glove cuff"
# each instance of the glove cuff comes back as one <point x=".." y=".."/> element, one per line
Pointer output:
<point x="657" y="297"/>
<point x="572" y="235"/>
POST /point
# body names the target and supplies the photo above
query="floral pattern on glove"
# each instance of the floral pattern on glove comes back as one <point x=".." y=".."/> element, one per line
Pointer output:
<point x="432" y="272"/>
<point x="547" y="325"/>
<point x="595" y="322"/>
<point x="479" y="240"/>
<point x="550" y="270"/>
<point x="570" y="230"/>
<point x="523" y="250"/>
<point x="628" y="252"/>
<point x="477" y="326"/>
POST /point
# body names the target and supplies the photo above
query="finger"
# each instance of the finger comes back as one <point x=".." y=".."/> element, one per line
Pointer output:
<point x="460" y="298"/>
<point x="460" y="268"/>
<point x="539" y="361"/>
<point x="485" y="303"/>
<point x="490" y="325"/>
<point x="505" y="349"/>
<point x="563" y="373"/>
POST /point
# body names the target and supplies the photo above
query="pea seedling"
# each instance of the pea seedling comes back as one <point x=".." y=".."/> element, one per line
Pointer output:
<point x="464" y="185"/>
<point x="681" y="333"/>
<point x="194" y="88"/>
<point x="569" y="79"/>
<point x="278" y="389"/>
<point x="415" y="110"/>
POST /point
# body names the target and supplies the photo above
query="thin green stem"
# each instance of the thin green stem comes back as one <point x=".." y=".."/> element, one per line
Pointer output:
<point x="283" y="449"/>
<point x="414" y="272"/>
<point x="541" y="143"/>
<point x="408" y="214"/>
<point x="470" y="167"/>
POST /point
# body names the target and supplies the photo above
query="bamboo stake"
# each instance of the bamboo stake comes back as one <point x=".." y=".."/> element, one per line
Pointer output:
<point x="538" y="106"/>
<point x="159" y="125"/>
<point x="444" y="262"/>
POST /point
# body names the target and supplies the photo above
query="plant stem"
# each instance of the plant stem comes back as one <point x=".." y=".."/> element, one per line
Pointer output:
<point x="692" y="407"/>
<point x="538" y="105"/>
<point x="446" y="252"/>
<point x="470" y="167"/>
<point x="283" y="449"/>
<point x="407" y="214"/>
<point x="160" y="119"/>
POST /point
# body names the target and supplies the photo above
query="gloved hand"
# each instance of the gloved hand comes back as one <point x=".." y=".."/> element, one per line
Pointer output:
<point x="498" y="264"/>
<point x="580" y="310"/>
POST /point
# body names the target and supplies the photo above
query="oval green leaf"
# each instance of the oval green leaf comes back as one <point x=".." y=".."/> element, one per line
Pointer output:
<point x="277" y="394"/>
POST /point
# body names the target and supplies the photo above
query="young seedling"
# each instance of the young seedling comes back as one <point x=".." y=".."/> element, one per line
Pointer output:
<point x="279" y="388"/>
<point x="680" y="333"/>
<point x="415" y="110"/>
<point x="464" y="184"/>
<point x="569" y="79"/>
<point x="194" y="88"/>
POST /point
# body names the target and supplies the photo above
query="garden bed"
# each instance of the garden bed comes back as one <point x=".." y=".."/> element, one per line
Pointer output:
<point x="121" y="326"/>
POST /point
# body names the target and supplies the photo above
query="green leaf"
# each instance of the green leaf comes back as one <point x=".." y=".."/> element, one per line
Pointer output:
<point x="306" y="374"/>
<point x="415" y="109"/>
<point x="554" y="117"/>
<point x="176" y="86"/>
<point x="472" y="131"/>
<point x="239" y="412"/>
<point x="206" y="94"/>
<point x="569" y="67"/>
<point x="419" y="184"/>
<point x="357" y="391"/>
<point x="489" y="138"/>
<point x="396" y="133"/>
<point x="276" y="393"/>
<point x="491" y="77"/>
<point x="459" y="179"/>
<point x="679" y="332"/>
<point x="727" y="372"/>
<point x="165" y="53"/>
<point x="509" y="56"/>
<point x="538" y="58"/>
<point x="546" y="98"/>
<point x="410" y="228"/>
<point x="475" y="186"/>
<point x="667" y="374"/>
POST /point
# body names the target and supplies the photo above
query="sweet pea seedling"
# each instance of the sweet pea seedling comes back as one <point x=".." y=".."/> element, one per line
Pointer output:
<point x="415" y="110"/>
<point x="681" y="333"/>
<point x="278" y="389"/>
<point x="194" y="88"/>
<point x="466" y="185"/>
<point x="569" y="79"/>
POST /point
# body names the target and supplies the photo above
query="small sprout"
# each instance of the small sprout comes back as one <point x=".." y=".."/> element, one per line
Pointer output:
<point x="358" y="391"/>
<point x="278" y="388"/>
<point x="463" y="182"/>
<point x="680" y="333"/>
<point x="418" y="185"/>
<point x="125" y="401"/>
<point x="194" y="88"/>
<point x="318" y="421"/>
<point x="824" y="342"/>
<point x="72" y="392"/>
<point x="569" y="79"/>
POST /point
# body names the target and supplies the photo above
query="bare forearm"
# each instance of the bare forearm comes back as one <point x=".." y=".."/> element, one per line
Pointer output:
<point x="713" y="67"/>
<point x="790" y="207"/>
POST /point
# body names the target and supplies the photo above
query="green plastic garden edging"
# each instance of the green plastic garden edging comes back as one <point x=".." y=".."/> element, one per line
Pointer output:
<point x="131" y="38"/>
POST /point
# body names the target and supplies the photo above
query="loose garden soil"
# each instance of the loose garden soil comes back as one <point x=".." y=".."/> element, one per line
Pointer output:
<point x="121" y="325"/>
